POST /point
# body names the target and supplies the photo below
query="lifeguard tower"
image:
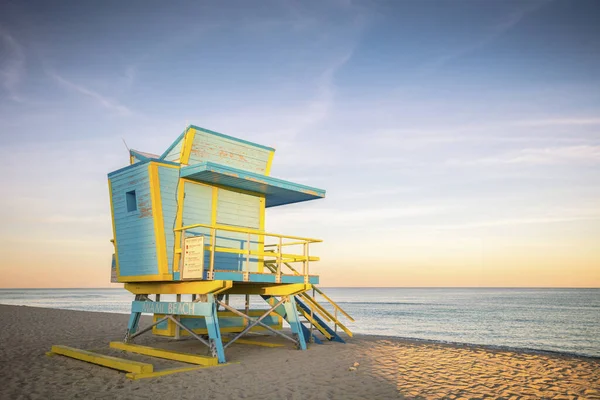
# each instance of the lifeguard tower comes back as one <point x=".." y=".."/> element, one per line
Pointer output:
<point x="190" y="223"/>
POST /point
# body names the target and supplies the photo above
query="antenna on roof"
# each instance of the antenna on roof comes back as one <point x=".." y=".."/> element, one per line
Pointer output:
<point x="125" y="143"/>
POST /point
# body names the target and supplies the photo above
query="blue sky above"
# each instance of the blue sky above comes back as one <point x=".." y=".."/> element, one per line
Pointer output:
<point x="450" y="136"/>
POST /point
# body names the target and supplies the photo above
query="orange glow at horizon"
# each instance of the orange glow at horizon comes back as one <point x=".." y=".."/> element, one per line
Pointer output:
<point x="64" y="266"/>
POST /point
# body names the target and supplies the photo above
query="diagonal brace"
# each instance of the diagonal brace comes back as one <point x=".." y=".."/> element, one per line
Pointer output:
<point x="188" y="330"/>
<point x="254" y="323"/>
<point x="146" y="329"/>
<point x="259" y="322"/>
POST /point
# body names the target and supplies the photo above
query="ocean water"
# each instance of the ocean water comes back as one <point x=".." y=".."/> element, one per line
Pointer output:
<point x="557" y="320"/>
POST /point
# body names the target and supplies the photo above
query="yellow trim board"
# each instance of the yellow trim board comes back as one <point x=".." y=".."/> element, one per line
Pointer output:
<point x="161" y="164"/>
<point x="145" y="278"/>
<point x="157" y="216"/>
<point x="120" y="364"/>
<point x="274" y="290"/>
<point x="186" y="146"/>
<point x="166" y="354"/>
<point x="114" y="227"/>
<point x="269" y="163"/>
<point x="179" y="223"/>
<point x="194" y="287"/>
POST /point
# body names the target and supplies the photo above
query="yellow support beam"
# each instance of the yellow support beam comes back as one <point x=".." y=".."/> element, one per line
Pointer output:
<point x="120" y="364"/>
<point x="196" y="287"/>
<point x="145" y="278"/>
<point x="171" y="371"/>
<point x="166" y="354"/>
<point x="275" y="290"/>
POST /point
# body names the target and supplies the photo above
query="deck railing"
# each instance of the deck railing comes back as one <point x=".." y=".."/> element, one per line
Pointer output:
<point x="270" y="253"/>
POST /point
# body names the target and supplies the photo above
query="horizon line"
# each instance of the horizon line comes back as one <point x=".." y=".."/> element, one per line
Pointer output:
<point x="344" y="287"/>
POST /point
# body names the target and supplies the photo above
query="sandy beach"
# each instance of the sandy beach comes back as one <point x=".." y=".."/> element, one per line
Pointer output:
<point x="388" y="368"/>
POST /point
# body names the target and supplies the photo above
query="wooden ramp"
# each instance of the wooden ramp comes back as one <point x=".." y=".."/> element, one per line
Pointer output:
<point x="165" y="354"/>
<point x="135" y="369"/>
<point x="120" y="364"/>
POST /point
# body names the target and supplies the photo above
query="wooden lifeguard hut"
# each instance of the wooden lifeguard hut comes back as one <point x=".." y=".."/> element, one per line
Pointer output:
<point x="190" y="223"/>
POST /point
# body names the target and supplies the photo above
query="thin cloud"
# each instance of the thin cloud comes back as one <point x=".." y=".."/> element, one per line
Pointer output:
<point x="12" y="68"/>
<point x="129" y="76"/>
<point x="560" y="122"/>
<point x="104" y="101"/>
<point x="584" y="154"/>
<point x="353" y="217"/>
<point x="504" y="131"/>
<point x="518" y="221"/>
<point x="318" y="108"/>
<point x="497" y="31"/>
<point x="290" y="122"/>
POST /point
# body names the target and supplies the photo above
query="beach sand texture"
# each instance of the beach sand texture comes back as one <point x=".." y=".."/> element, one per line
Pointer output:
<point x="389" y="368"/>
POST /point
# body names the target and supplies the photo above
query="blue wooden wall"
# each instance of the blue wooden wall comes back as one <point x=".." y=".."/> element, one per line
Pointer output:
<point x="197" y="209"/>
<point x="175" y="152"/>
<point x="225" y="151"/>
<point x="232" y="208"/>
<point x="238" y="210"/>
<point x="135" y="239"/>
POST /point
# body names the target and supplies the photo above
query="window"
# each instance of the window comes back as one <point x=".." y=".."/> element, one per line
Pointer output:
<point x="131" y="201"/>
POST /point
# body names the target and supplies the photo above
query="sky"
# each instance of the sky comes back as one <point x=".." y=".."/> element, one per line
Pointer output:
<point x="458" y="141"/>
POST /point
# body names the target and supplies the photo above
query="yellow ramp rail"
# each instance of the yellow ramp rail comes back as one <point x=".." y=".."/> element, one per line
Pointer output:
<point x="316" y="307"/>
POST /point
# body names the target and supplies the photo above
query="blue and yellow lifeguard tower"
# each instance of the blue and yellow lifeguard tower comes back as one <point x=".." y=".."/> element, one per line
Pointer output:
<point x="190" y="223"/>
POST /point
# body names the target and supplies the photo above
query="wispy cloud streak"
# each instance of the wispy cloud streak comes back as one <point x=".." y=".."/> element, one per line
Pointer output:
<point x="12" y="64"/>
<point x="106" y="102"/>
<point x="518" y="221"/>
<point x="589" y="155"/>
<point x="560" y="122"/>
<point x="496" y="31"/>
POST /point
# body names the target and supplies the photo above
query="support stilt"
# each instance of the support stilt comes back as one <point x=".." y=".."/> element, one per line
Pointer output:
<point x="207" y="309"/>
<point x="134" y="320"/>
<point x="294" y="320"/>
<point x="214" y="333"/>
<point x="289" y="312"/>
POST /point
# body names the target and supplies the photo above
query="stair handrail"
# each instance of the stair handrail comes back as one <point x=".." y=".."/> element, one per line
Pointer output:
<point x="333" y="303"/>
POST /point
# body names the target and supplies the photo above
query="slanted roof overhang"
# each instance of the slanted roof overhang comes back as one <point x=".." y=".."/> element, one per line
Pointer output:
<point x="277" y="191"/>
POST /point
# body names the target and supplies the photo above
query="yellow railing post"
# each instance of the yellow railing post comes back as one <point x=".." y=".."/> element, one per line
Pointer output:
<point x="247" y="269"/>
<point x="261" y="253"/>
<point x="305" y="263"/>
<point x="279" y="251"/>
<point x="336" y="320"/>
<point x="307" y="255"/>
